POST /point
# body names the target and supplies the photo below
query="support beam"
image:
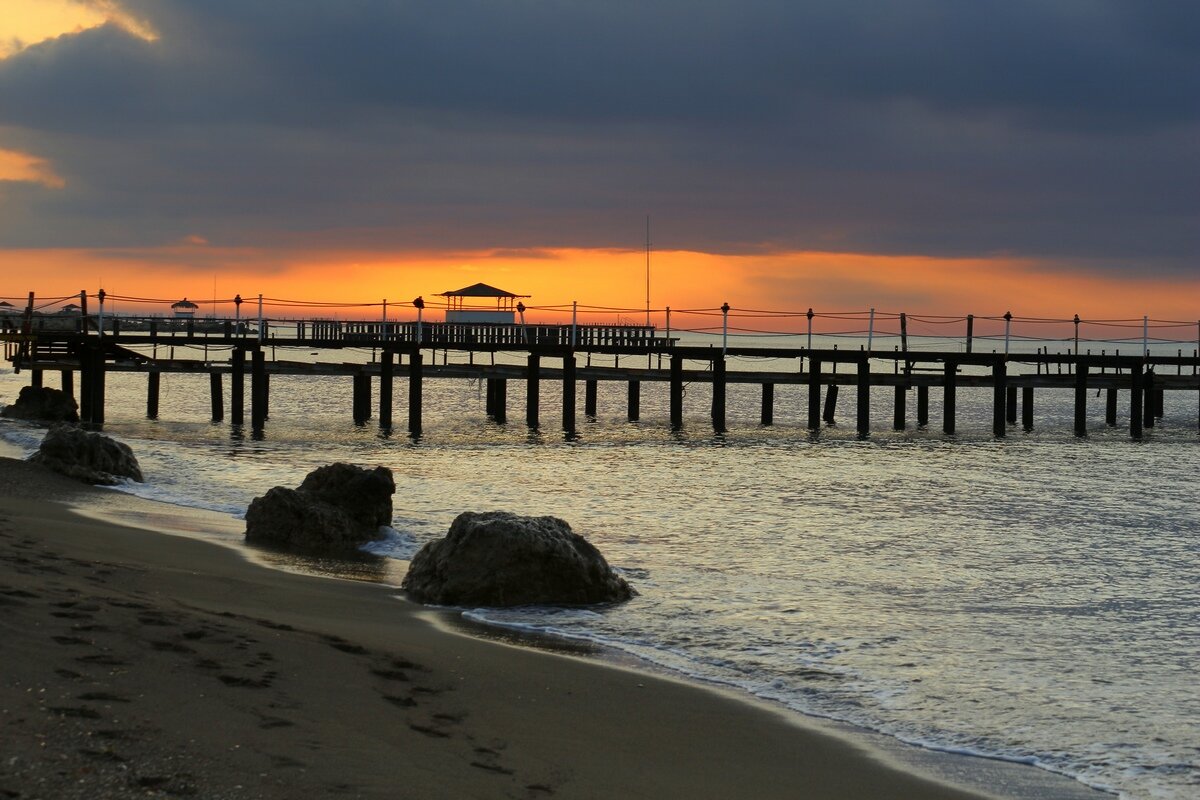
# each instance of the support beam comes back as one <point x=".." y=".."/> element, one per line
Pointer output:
<point x="635" y="401"/>
<point x="1081" y="376"/>
<point x="900" y="412"/>
<point x="500" y="401"/>
<point x="831" y="396"/>
<point x="589" y="397"/>
<point x="1148" y="382"/>
<point x="153" y="385"/>
<point x="1027" y="407"/>
<point x="999" y="397"/>
<point x="68" y="382"/>
<point x="386" y="387"/>
<point x="216" y="396"/>
<point x="258" y="389"/>
<point x="676" y="392"/>
<point x="718" y="395"/>
<point x="35" y="378"/>
<point x="864" y="397"/>
<point x="237" y="383"/>
<point x="1110" y="407"/>
<point x="360" y="398"/>
<point x="533" y="379"/>
<point x="1010" y="405"/>
<point x="1136" y="391"/>
<point x="415" y="381"/>
<point x="950" y="388"/>
<point x="814" y="394"/>
<point x="98" y="368"/>
<point x="922" y="406"/>
<point x="568" y="393"/>
<point x="768" y="404"/>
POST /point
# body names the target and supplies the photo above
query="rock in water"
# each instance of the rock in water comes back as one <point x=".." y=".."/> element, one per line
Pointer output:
<point x="42" y="404"/>
<point x="502" y="559"/>
<point x="337" y="508"/>
<point x="89" y="457"/>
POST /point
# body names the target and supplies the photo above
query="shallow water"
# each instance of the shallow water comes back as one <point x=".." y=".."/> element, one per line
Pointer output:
<point x="1031" y="598"/>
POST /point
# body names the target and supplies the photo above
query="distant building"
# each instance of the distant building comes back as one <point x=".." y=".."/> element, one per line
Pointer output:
<point x="185" y="309"/>
<point x="70" y="308"/>
<point x="504" y="311"/>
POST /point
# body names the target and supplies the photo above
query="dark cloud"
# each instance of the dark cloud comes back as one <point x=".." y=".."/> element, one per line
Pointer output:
<point x="1065" y="130"/>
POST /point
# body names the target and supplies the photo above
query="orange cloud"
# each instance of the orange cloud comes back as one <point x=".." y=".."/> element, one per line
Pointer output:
<point x="608" y="284"/>
<point x="24" y="168"/>
<point x="29" y="22"/>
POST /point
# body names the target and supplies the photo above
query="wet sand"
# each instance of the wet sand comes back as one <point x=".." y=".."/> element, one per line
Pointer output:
<point x="138" y="664"/>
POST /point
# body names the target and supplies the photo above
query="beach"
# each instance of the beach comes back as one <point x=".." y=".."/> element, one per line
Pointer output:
<point x="143" y="664"/>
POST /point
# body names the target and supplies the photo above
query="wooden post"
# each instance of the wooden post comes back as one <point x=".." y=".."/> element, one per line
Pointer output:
<point x="864" y="396"/>
<point x="999" y="397"/>
<point x="532" y="383"/>
<point x="386" y="378"/>
<point x="1081" y="376"/>
<point x="768" y="404"/>
<point x="589" y="397"/>
<point x="568" y="393"/>
<point x="1110" y="407"/>
<point x="814" y="394"/>
<point x="85" y="385"/>
<point x="1148" y="401"/>
<point x="922" y="406"/>
<point x="258" y="392"/>
<point x="970" y="330"/>
<point x="899" y="422"/>
<point x="237" y="383"/>
<point x="216" y="396"/>
<point x="500" y="401"/>
<point x="1159" y="400"/>
<point x="949" y="386"/>
<point x="359" y="399"/>
<point x="1027" y="407"/>
<point x="1135" y="401"/>
<point x="831" y="395"/>
<point x="489" y="402"/>
<point x="98" y="387"/>
<point x="153" y="383"/>
<point x="635" y="401"/>
<point x="35" y="378"/>
<point x="676" y="392"/>
<point x="718" y="395"/>
<point x="415" y="376"/>
<point x="1010" y="405"/>
<point x="68" y="382"/>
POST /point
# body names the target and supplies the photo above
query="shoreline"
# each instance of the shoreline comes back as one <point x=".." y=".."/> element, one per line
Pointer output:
<point x="593" y="722"/>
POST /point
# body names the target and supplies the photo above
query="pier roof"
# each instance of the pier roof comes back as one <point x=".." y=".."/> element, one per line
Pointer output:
<point x="184" y="303"/>
<point x="480" y="290"/>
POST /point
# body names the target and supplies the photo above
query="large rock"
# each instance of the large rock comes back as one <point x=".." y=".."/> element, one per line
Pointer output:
<point x="89" y="457"/>
<point x="337" y="508"/>
<point x="501" y="559"/>
<point x="43" y="404"/>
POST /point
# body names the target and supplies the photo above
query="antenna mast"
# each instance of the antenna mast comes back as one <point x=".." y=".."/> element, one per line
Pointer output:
<point x="647" y="270"/>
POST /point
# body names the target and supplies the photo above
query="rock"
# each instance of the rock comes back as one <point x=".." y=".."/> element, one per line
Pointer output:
<point x="89" y="457"/>
<point x="335" y="509"/>
<point x="502" y="559"/>
<point x="42" y="404"/>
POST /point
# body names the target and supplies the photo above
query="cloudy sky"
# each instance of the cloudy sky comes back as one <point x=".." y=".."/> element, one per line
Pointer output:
<point x="928" y="154"/>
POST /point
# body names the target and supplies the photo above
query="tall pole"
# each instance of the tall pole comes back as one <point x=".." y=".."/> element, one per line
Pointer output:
<point x="1146" y="337"/>
<point x="574" y="321"/>
<point x="100" y="316"/>
<point x="261" y="332"/>
<point x="810" y="316"/>
<point x="1008" y="329"/>
<point x="647" y="270"/>
<point x="724" y="327"/>
<point x="383" y="330"/>
<point x="1077" y="336"/>
<point x="870" y="330"/>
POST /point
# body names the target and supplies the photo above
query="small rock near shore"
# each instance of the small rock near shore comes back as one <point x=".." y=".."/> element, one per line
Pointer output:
<point x="42" y="404"/>
<point x="501" y="559"/>
<point x="89" y="457"/>
<point x="336" y="508"/>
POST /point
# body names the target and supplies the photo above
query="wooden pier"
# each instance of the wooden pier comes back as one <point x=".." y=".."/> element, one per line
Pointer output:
<point x="234" y="349"/>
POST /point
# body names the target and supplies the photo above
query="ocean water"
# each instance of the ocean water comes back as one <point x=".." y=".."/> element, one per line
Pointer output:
<point x="1031" y="599"/>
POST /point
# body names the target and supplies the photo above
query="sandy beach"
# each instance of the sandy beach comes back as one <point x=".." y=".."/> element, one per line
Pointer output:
<point x="138" y="664"/>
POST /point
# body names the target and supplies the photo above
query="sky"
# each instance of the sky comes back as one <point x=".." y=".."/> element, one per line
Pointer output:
<point x="929" y="156"/>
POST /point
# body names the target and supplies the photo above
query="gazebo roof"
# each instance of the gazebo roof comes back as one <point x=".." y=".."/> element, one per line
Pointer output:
<point x="480" y="290"/>
<point x="6" y="304"/>
<point x="184" y="303"/>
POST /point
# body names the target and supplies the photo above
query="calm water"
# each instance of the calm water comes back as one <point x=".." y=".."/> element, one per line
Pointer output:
<point x="1032" y="599"/>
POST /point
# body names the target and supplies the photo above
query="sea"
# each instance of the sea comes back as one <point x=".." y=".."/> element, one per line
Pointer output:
<point x="1031" y="599"/>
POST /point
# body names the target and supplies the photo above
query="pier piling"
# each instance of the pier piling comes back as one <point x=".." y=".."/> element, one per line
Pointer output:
<point x="1027" y="407"/>
<point x="814" y="394"/>
<point x="1110" y="407"/>
<point x="949" y="387"/>
<point x="386" y="381"/>
<point x="768" y="404"/>
<point x="1148" y="380"/>
<point x="153" y="383"/>
<point x="1135" y="401"/>
<point x="68" y="382"/>
<point x="922" y="406"/>
<point x="863" y="406"/>
<point x="35" y="378"/>
<point x="216" y="396"/>
<point x="676" y="392"/>
<point x="415" y="381"/>
<point x="1010" y="405"/>
<point x="1081" y="376"/>
<point x="829" y="415"/>
<point x="900" y="411"/>
<point x="999" y="398"/>
<point x="532" y="387"/>
<point x="258" y="389"/>
<point x="589" y="397"/>
<point x="568" y="394"/>
<point x="718" y="395"/>
<point x="635" y="401"/>
<point x="237" y="384"/>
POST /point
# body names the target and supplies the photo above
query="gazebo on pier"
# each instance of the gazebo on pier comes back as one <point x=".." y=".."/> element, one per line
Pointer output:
<point x="185" y="309"/>
<point x="504" y="312"/>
